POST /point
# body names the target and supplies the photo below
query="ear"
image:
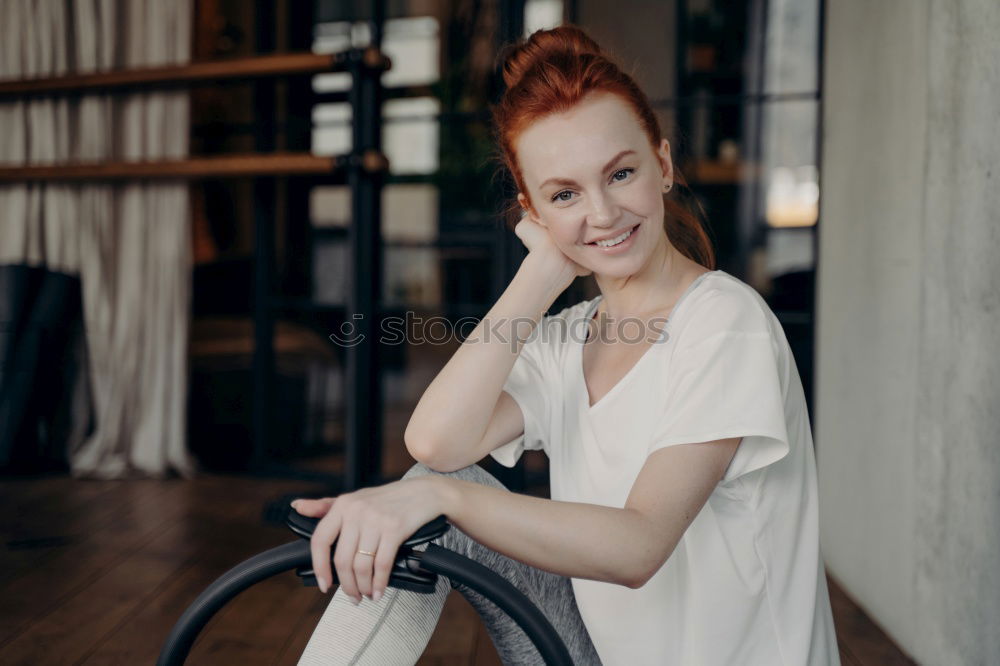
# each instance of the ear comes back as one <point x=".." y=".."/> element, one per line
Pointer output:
<point x="663" y="153"/>
<point x="526" y="205"/>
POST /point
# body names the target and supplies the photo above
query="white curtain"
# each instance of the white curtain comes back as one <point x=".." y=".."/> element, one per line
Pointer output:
<point x="129" y="243"/>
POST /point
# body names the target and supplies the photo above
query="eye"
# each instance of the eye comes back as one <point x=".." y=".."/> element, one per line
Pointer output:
<point x="627" y="170"/>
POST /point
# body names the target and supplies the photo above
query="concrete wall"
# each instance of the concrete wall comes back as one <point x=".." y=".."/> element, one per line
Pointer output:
<point x="908" y="339"/>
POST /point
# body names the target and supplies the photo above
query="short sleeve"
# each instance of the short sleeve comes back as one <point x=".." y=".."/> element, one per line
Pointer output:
<point x="726" y="385"/>
<point x="526" y="384"/>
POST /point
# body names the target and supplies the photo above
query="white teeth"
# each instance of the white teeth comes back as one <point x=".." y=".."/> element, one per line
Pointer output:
<point x="614" y="241"/>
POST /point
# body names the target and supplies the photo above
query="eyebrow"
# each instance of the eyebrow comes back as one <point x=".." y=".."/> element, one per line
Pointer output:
<point x="570" y="181"/>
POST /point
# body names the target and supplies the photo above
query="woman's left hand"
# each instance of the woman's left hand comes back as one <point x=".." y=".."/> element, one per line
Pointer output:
<point x="377" y="520"/>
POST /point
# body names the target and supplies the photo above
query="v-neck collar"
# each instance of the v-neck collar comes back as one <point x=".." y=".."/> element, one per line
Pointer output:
<point x="631" y="371"/>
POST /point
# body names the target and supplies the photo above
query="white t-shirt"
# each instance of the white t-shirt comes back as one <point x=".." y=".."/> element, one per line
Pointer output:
<point x="746" y="583"/>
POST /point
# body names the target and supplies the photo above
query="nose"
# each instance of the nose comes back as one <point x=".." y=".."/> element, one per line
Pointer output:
<point x="604" y="211"/>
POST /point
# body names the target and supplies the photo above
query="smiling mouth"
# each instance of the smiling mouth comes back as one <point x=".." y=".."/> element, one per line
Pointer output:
<point x="617" y="240"/>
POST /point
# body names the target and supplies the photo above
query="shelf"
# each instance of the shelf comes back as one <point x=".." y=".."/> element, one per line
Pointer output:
<point x="714" y="172"/>
<point x="224" y="166"/>
<point x="211" y="72"/>
<point x="464" y="242"/>
<point x="305" y="305"/>
<point x="231" y="339"/>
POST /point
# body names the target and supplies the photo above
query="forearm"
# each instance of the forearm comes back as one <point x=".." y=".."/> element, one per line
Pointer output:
<point x="457" y="406"/>
<point x="573" y="539"/>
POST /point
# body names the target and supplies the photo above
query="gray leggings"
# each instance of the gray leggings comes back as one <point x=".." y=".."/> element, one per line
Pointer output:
<point x="396" y="628"/>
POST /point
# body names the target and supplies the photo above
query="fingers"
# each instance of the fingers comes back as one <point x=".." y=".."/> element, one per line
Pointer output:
<point x="382" y="565"/>
<point x="342" y="532"/>
<point x="528" y="231"/>
<point x="343" y="559"/>
<point x="314" y="508"/>
<point x="324" y="535"/>
<point x="364" y="565"/>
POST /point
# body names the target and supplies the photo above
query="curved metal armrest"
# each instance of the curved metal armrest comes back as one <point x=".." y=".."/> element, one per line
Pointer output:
<point x="406" y="573"/>
<point x="412" y="570"/>
<point x="304" y="526"/>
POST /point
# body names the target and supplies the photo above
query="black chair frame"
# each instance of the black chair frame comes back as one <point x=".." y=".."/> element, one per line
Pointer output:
<point x="412" y="570"/>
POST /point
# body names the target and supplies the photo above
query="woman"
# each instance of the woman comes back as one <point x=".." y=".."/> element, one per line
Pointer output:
<point x="682" y="527"/>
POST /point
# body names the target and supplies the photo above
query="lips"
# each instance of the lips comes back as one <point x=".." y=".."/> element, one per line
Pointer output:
<point x="629" y="230"/>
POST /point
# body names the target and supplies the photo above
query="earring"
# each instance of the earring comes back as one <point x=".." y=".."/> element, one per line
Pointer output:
<point x="667" y="186"/>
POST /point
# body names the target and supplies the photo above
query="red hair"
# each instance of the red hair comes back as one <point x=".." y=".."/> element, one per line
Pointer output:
<point x="552" y="71"/>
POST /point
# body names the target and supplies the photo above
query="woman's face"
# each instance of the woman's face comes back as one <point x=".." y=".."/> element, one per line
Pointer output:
<point x="592" y="175"/>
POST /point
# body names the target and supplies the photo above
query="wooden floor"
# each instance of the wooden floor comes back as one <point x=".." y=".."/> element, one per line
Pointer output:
<point x="96" y="572"/>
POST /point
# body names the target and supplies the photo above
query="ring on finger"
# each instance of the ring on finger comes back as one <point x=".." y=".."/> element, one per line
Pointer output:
<point x="362" y="551"/>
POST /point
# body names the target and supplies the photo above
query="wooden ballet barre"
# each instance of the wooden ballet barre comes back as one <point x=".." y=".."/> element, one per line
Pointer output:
<point x="223" y="166"/>
<point x="259" y="67"/>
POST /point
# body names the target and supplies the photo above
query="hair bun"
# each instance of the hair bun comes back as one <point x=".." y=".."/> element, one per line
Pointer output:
<point x="541" y="46"/>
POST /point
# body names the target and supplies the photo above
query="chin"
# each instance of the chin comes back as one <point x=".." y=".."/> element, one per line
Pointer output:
<point x="617" y="267"/>
<point x="614" y="268"/>
<point x="618" y="272"/>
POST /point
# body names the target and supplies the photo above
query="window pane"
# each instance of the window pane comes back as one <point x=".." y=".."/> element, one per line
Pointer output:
<point x="542" y="14"/>
<point x="410" y="213"/>
<point x="411" y="43"/>
<point x="791" y="58"/>
<point x="331" y="129"/>
<point x="410" y="134"/>
<point x="789" y="160"/>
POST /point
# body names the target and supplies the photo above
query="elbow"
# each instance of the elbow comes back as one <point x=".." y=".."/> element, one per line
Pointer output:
<point x="420" y="448"/>
<point x="635" y="582"/>
<point x="644" y="570"/>
<point x="436" y="453"/>
<point x="423" y="449"/>
<point x="414" y="440"/>
<point x="633" y="574"/>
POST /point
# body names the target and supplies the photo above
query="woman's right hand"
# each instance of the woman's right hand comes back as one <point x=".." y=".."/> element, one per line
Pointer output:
<point x="540" y="244"/>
